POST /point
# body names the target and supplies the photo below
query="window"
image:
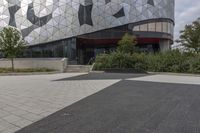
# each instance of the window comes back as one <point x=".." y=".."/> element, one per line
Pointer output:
<point x="172" y="28"/>
<point x="165" y="27"/>
<point x="159" y="26"/>
<point x="144" y="27"/>
<point x="152" y="27"/>
<point x="136" y="28"/>
<point x="169" y="28"/>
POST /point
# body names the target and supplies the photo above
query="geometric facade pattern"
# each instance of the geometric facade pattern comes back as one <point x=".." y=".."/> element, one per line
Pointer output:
<point x="49" y="20"/>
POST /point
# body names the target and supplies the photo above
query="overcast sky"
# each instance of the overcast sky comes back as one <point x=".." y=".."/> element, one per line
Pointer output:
<point x="186" y="12"/>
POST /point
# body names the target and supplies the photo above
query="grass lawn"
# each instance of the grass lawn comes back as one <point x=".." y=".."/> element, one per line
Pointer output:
<point x="25" y="70"/>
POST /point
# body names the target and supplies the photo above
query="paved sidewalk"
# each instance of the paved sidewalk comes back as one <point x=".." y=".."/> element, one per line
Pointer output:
<point x="130" y="106"/>
<point x="27" y="99"/>
<point x="99" y="103"/>
<point x="195" y="80"/>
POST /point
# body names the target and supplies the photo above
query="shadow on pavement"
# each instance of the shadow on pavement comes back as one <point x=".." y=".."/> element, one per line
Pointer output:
<point x="104" y="76"/>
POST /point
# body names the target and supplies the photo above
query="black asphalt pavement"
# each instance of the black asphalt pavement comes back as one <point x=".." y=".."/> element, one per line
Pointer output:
<point x="129" y="107"/>
<point x="100" y="76"/>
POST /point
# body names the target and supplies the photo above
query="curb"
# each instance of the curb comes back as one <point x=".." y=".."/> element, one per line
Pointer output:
<point x="97" y="71"/>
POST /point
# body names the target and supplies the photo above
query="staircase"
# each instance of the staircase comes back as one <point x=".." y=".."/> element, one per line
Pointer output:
<point x="77" y="68"/>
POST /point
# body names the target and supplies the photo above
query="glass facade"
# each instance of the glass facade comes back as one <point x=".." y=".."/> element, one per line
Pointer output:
<point x="164" y="27"/>
<point x="64" y="48"/>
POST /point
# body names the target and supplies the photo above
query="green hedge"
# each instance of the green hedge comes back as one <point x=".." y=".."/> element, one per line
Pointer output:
<point x="171" y="61"/>
<point x="120" y="60"/>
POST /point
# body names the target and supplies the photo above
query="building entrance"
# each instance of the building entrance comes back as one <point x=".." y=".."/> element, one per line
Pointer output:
<point x="88" y="50"/>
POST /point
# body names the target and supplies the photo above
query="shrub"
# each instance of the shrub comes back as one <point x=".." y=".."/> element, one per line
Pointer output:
<point x="194" y="64"/>
<point x="127" y="44"/>
<point x="170" y="61"/>
<point x="101" y="62"/>
<point x="119" y="60"/>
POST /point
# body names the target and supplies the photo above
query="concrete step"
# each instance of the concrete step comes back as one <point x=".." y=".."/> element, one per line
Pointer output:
<point x="72" y="62"/>
<point x="78" y="68"/>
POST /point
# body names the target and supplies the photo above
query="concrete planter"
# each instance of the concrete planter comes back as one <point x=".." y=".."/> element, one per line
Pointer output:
<point x="58" y="64"/>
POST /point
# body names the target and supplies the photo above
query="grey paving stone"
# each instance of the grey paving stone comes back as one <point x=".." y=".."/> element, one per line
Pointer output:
<point x="10" y="129"/>
<point x="11" y="118"/>
<point x="3" y="113"/>
<point x="9" y="108"/>
<point x="4" y="125"/>
<point x="22" y="123"/>
<point x="19" y="112"/>
<point x="178" y="79"/>
<point x="27" y="99"/>
<point x="32" y="117"/>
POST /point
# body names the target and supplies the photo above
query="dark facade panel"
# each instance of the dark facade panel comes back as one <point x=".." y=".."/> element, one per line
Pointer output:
<point x="120" y="13"/>
<point x="13" y="10"/>
<point x="84" y="15"/>
<point x="151" y="2"/>
<point x="39" y="21"/>
<point x="107" y="1"/>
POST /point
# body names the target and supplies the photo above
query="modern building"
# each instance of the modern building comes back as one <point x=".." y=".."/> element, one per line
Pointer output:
<point x="81" y="29"/>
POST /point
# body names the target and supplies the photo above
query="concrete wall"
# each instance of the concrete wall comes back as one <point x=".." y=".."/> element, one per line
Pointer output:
<point x="51" y="63"/>
<point x="164" y="45"/>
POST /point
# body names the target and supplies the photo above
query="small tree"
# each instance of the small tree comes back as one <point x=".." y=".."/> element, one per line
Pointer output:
<point x="127" y="44"/>
<point x="190" y="36"/>
<point x="11" y="43"/>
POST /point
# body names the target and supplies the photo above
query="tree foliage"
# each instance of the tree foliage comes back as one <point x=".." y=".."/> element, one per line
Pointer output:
<point x="11" y="43"/>
<point x="190" y="36"/>
<point x="127" y="44"/>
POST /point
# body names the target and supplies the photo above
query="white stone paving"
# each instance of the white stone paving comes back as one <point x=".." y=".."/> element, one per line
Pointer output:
<point x="195" y="80"/>
<point x="27" y="99"/>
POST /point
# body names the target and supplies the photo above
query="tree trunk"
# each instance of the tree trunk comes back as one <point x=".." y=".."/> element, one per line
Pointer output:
<point x="12" y="61"/>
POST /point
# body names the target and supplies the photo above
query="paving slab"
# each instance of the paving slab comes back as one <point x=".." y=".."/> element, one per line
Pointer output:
<point x="169" y="79"/>
<point x="25" y="99"/>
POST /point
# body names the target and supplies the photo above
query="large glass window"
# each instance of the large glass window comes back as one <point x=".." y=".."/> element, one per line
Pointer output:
<point x="169" y="28"/>
<point x="159" y="27"/>
<point x="152" y="27"/>
<point x="165" y="27"/>
<point x="65" y="48"/>
<point x="144" y="27"/>
<point x="136" y="28"/>
<point x="172" y="29"/>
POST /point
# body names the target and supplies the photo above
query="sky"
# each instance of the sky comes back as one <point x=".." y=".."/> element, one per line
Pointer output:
<point x="186" y="12"/>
